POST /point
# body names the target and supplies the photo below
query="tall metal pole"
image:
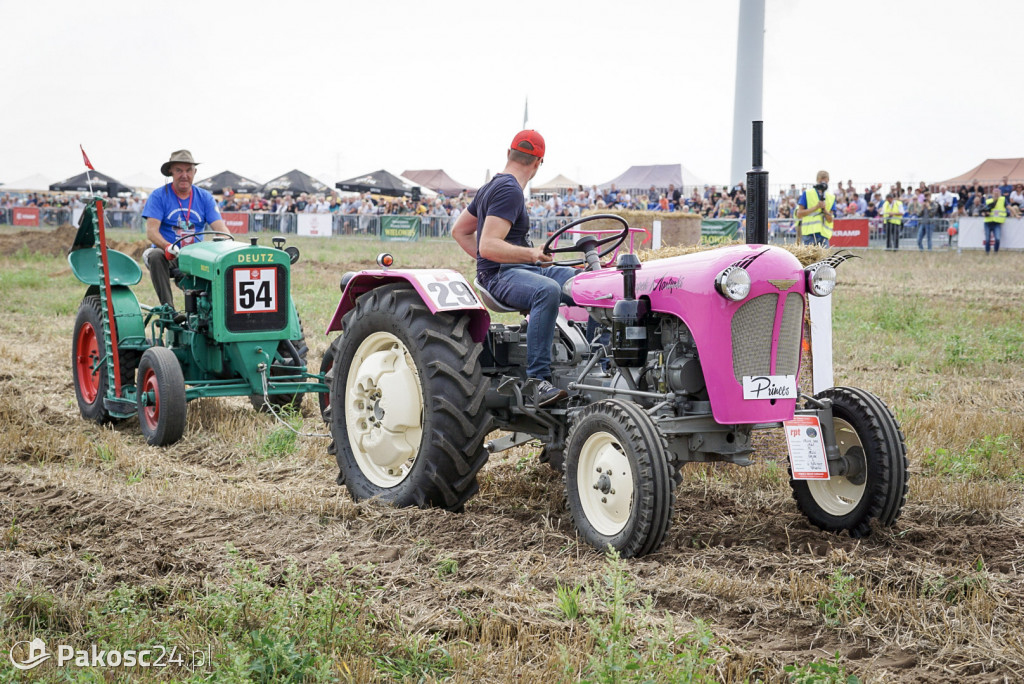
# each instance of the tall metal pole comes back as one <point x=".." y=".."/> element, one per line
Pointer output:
<point x="757" y="191"/>
<point x="749" y="82"/>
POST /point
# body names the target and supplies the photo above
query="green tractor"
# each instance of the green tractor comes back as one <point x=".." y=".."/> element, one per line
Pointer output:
<point x="239" y="333"/>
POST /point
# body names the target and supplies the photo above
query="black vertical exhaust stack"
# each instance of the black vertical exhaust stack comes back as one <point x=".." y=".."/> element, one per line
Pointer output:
<point x="757" y="193"/>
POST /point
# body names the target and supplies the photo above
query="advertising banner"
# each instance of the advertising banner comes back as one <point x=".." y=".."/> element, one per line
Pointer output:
<point x="314" y="225"/>
<point x="400" y="228"/>
<point x="25" y="216"/>
<point x="972" y="233"/>
<point x="851" y="232"/>
<point x="237" y="222"/>
<point x="715" y="231"/>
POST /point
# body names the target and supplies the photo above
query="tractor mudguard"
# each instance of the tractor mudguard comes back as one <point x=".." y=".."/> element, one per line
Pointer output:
<point x="442" y="290"/>
<point x="131" y="326"/>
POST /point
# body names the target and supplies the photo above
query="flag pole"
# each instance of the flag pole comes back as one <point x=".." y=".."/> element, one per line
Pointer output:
<point x="88" y="167"/>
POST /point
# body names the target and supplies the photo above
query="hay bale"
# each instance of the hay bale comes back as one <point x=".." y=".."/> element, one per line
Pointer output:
<point x="677" y="228"/>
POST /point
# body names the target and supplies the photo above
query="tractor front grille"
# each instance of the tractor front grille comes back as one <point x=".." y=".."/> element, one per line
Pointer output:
<point x="753" y="332"/>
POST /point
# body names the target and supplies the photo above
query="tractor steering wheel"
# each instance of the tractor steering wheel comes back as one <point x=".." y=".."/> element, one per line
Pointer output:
<point x="594" y="248"/>
<point x="223" y="236"/>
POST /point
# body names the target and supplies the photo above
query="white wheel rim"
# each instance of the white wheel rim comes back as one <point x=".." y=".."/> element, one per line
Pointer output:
<point x="384" y="409"/>
<point x="605" y="482"/>
<point x="838" y="496"/>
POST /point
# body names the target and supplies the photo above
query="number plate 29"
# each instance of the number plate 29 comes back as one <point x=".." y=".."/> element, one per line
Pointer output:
<point x="445" y="289"/>
<point x="255" y="290"/>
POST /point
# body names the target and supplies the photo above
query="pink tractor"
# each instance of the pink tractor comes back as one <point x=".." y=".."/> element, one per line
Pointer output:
<point x="681" y="360"/>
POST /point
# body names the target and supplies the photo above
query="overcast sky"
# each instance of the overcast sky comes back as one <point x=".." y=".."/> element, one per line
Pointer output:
<point x="871" y="90"/>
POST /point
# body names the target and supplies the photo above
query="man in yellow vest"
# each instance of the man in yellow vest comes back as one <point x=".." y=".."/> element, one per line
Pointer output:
<point x="995" y="212"/>
<point x="892" y="216"/>
<point x="814" y="212"/>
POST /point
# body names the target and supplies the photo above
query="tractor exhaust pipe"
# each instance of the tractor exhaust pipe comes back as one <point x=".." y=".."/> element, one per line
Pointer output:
<point x="757" y="192"/>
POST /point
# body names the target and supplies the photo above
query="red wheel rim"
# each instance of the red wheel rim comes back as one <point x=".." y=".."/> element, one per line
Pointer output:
<point x="86" y="374"/>
<point x="151" y="412"/>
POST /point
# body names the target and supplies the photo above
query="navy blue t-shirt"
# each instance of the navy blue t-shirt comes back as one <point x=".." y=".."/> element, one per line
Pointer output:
<point x="501" y="197"/>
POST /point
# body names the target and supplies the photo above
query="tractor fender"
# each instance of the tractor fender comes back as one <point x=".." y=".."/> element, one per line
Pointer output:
<point x="443" y="290"/>
<point x="127" y="312"/>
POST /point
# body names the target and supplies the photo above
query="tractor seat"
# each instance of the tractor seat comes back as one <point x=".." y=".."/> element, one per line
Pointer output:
<point x="491" y="302"/>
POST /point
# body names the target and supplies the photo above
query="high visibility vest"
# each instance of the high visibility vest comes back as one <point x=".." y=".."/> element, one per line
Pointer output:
<point x="998" y="212"/>
<point x="897" y="207"/>
<point x="813" y="223"/>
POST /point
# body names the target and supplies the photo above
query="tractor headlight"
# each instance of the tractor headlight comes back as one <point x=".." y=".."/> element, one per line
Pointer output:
<point x="821" y="279"/>
<point x="733" y="283"/>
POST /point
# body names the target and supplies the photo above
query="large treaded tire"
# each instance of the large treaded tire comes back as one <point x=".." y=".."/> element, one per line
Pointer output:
<point x="864" y="422"/>
<point x="630" y="508"/>
<point x="409" y="381"/>
<point x="87" y="345"/>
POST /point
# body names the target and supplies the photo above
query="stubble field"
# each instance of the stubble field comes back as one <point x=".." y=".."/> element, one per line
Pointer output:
<point x="236" y="540"/>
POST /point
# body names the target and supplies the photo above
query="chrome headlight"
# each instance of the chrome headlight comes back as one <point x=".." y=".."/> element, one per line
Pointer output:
<point x="733" y="283"/>
<point x="821" y="279"/>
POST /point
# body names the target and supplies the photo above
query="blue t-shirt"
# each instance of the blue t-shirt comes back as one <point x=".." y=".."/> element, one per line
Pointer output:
<point x="174" y="215"/>
<point x="501" y="197"/>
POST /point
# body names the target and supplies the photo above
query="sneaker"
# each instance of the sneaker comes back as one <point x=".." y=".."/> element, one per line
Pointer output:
<point x="547" y="393"/>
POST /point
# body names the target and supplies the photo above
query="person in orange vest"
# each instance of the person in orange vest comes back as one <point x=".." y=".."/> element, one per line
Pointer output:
<point x="892" y="216"/>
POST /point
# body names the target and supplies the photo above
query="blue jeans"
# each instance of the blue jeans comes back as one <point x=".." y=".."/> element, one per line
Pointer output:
<point x="538" y="290"/>
<point x="993" y="231"/>
<point x="924" y="229"/>
<point x="816" y="239"/>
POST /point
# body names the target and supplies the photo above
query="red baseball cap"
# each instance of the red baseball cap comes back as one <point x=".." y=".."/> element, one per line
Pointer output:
<point x="529" y="142"/>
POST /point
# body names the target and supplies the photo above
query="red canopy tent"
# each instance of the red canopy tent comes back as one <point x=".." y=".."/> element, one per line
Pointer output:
<point x="991" y="172"/>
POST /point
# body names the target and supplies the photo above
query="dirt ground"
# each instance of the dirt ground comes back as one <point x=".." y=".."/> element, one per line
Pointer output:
<point x="97" y="507"/>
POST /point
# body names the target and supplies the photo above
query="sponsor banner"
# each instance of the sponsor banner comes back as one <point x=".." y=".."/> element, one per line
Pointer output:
<point x="972" y="233"/>
<point x="25" y="216"/>
<point x="400" y="228"/>
<point x="314" y="225"/>
<point x="851" y="232"/>
<point x="237" y="222"/>
<point x="715" y="231"/>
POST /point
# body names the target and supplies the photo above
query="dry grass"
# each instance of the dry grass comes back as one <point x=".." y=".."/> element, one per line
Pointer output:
<point x="937" y="598"/>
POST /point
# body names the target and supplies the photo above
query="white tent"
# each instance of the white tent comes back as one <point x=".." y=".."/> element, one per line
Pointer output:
<point x="556" y="184"/>
<point x="34" y="183"/>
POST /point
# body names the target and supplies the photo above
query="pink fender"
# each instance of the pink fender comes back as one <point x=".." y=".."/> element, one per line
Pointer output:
<point x="440" y="289"/>
<point x="684" y="286"/>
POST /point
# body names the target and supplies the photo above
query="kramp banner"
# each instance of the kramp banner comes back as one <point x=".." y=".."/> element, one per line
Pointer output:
<point x="237" y="222"/>
<point x="25" y="216"/>
<point x="400" y="228"/>
<point x="852" y="232"/>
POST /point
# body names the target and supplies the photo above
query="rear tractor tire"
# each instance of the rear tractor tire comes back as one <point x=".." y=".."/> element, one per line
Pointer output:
<point x="407" y="402"/>
<point x="869" y="436"/>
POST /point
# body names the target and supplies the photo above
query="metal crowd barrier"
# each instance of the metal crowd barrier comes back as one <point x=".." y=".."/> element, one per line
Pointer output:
<point x="783" y="231"/>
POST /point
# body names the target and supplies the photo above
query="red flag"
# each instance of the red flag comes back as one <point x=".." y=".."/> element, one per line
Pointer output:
<point x="88" y="164"/>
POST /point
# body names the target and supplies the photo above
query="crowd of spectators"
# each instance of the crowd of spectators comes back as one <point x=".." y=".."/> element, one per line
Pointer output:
<point x="710" y="201"/>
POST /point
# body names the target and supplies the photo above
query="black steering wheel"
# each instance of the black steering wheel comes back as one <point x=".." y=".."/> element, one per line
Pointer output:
<point x="594" y="247"/>
<point x="223" y="236"/>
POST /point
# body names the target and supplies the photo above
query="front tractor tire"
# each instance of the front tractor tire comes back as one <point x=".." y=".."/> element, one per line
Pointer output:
<point x="407" y="402"/>
<point x="161" y="400"/>
<point x="618" y="479"/>
<point x="870" y="439"/>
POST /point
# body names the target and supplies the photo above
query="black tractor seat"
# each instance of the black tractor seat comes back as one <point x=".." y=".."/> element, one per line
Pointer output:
<point x="491" y="302"/>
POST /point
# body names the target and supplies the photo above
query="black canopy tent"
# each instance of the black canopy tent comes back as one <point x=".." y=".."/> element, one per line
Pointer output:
<point x="295" y="182"/>
<point x="101" y="182"/>
<point x="217" y="183"/>
<point x="379" y="183"/>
